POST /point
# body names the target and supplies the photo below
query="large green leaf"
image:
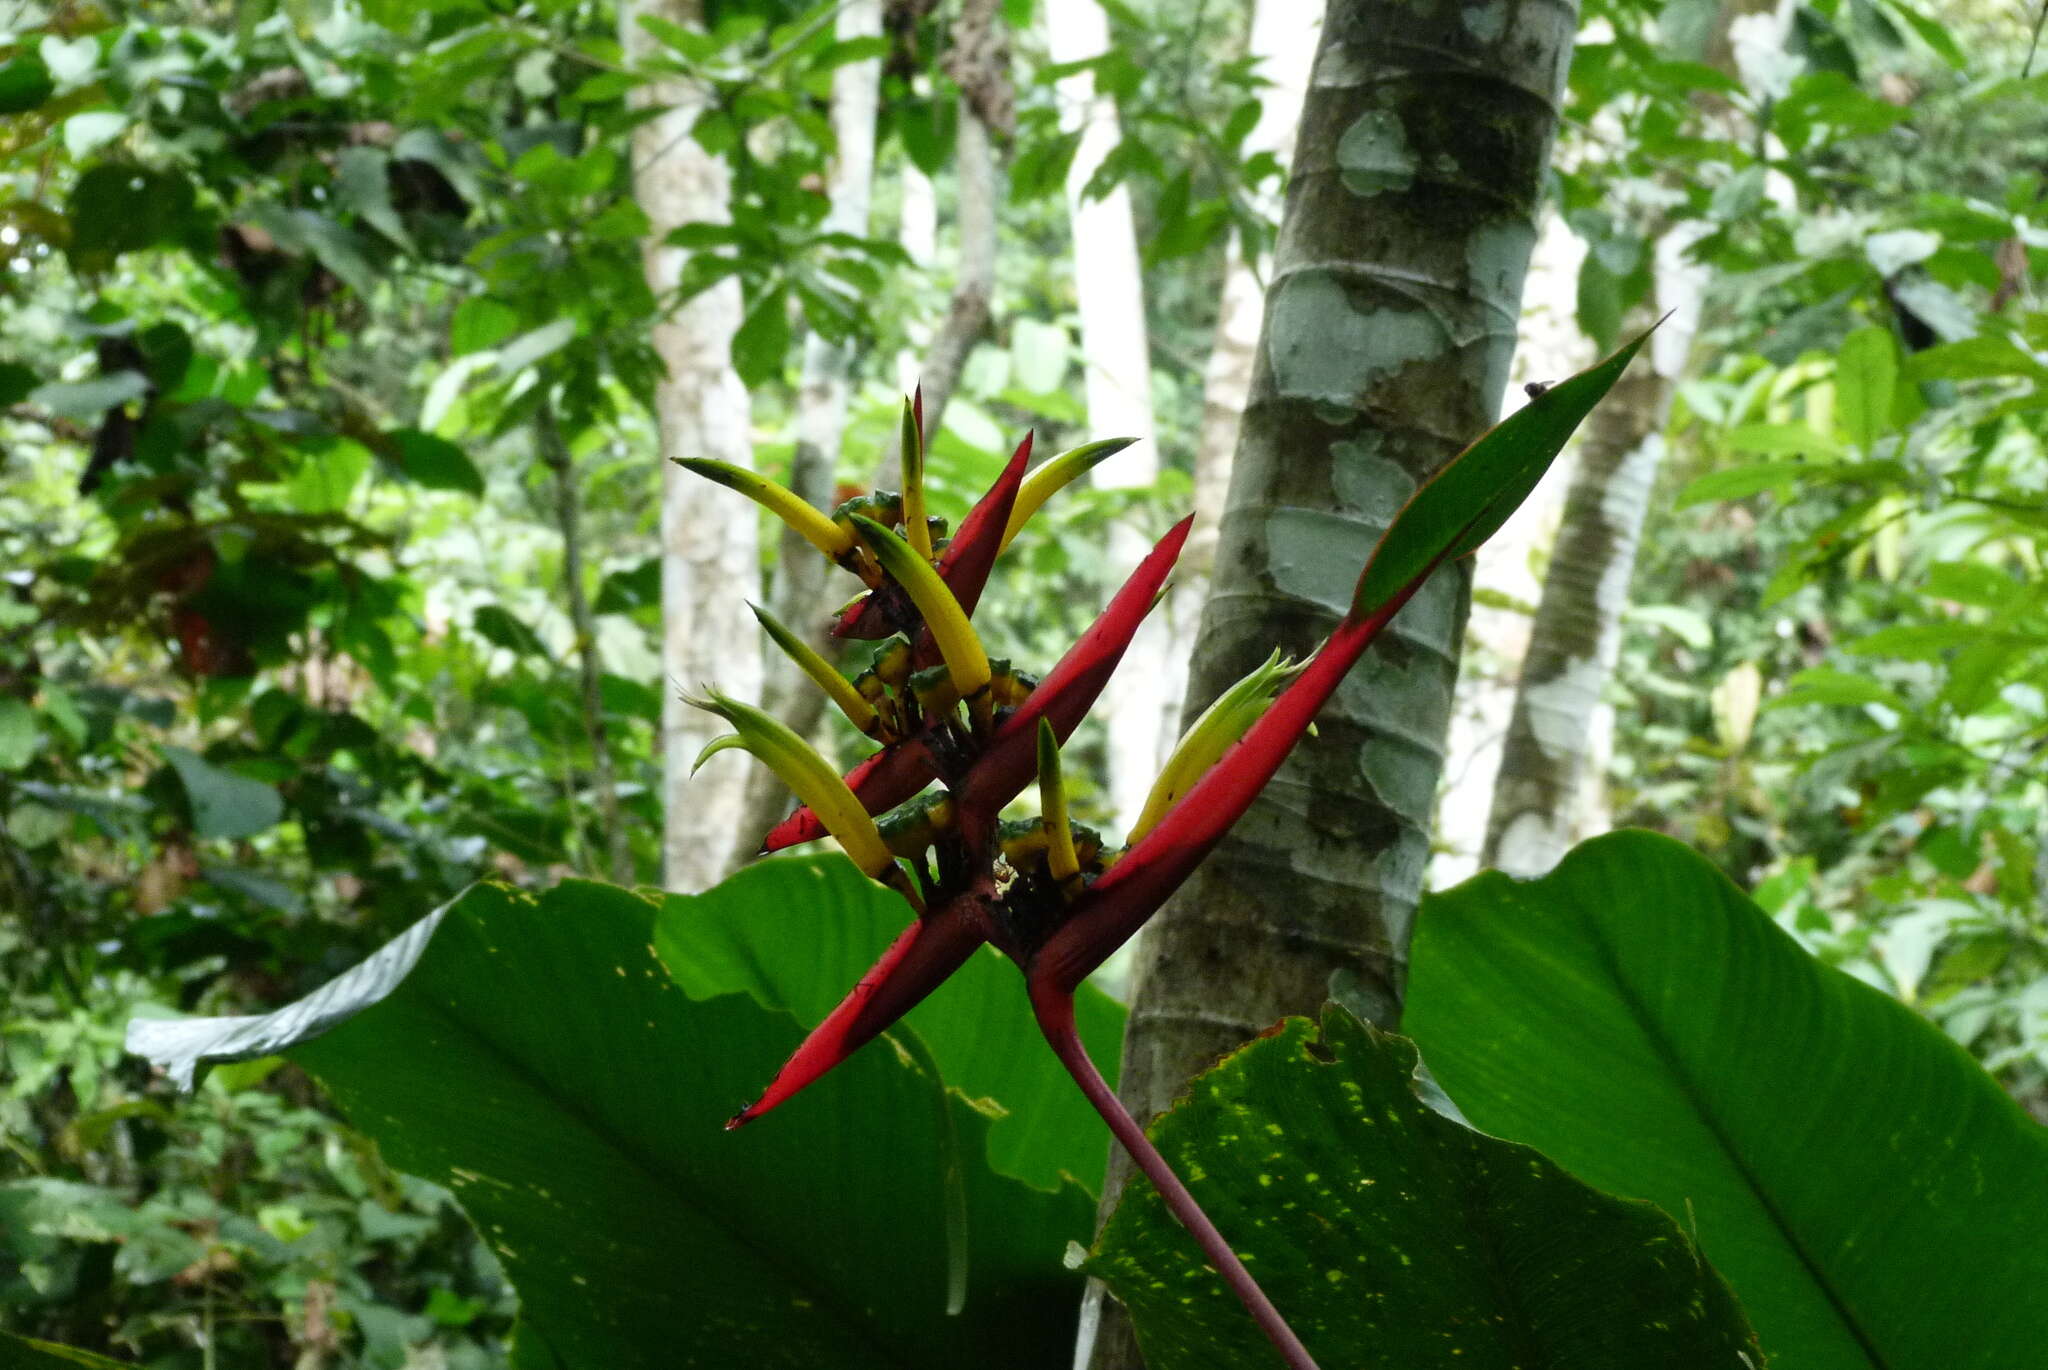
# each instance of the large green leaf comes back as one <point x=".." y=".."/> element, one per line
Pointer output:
<point x="1872" y="1195"/>
<point x="533" y="1055"/>
<point x="1466" y="503"/>
<point x="798" y="934"/>
<point x="1390" y="1236"/>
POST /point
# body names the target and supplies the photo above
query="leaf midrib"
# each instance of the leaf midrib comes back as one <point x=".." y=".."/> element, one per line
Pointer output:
<point x="1688" y="1087"/>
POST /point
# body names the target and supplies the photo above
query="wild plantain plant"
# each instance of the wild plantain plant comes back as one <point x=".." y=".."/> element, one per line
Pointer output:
<point x="1053" y="897"/>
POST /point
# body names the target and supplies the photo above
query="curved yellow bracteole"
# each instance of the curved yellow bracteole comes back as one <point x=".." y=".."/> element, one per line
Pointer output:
<point x="1047" y="481"/>
<point x="858" y="710"/>
<point x="821" y="532"/>
<point x="1060" y="857"/>
<point x="813" y="781"/>
<point x="957" y="643"/>
<point x="1213" y="734"/>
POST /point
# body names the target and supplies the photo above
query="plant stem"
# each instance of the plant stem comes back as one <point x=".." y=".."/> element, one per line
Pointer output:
<point x="1054" y="1009"/>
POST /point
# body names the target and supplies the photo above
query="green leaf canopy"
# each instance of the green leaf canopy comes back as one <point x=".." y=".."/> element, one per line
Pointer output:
<point x="1872" y="1195"/>
<point x="1390" y="1236"/>
<point x="535" y="1056"/>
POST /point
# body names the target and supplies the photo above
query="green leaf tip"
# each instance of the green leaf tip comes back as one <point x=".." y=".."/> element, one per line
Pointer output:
<point x="1466" y="503"/>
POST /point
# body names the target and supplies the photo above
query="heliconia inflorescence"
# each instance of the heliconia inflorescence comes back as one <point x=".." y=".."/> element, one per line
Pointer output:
<point x="1050" y="895"/>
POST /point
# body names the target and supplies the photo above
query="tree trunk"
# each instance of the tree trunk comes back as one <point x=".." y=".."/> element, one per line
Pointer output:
<point x="1283" y="46"/>
<point x="1116" y="361"/>
<point x="590" y="672"/>
<point x="710" y="560"/>
<point x="1550" y="762"/>
<point x="1388" y="331"/>
<point x="1539" y="800"/>
<point x="802" y="584"/>
<point x="1508" y="570"/>
<point x="979" y="62"/>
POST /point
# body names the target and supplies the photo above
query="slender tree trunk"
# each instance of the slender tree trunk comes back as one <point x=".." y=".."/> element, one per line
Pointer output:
<point x="974" y="281"/>
<point x="1109" y="293"/>
<point x="1508" y="570"/>
<point x="979" y="62"/>
<point x="1539" y="799"/>
<point x="710" y="559"/>
<point x="802" y="577"/>
<point x="1388" y="330"/>
<point x="1550" y="762"/>
<point x="590" y="670"/>
<point x="1283" y="43"/>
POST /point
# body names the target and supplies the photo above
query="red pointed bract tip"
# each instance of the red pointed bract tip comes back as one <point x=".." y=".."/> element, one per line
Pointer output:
<point x="880" y="783"/>
<point x="1144" y="877"/>
<point x="968" y="557"/>
<point x="1069" y="690"/>
<point x="916" y="963"/>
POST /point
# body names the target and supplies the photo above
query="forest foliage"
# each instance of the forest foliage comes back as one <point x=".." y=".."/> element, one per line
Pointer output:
<point x="312" y="311"/>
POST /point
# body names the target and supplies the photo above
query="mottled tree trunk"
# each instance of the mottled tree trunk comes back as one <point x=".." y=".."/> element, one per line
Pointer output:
<point x="802" y="585"/>
<point x="1577" y="629"/>
<point x="710" y="562"/>
<point x="1116" y="361"/>
<point x="1388" y="329"/>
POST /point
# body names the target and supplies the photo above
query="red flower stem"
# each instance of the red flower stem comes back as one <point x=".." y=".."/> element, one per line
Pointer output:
<point x="1054" y="1008"/>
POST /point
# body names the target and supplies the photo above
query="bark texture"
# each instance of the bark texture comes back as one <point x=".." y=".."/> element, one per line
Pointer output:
<point x="802" y="584"/>
<point x="710" y="561"/>
<point x="1116" y="365"/>
<point x="1388" y="328"/>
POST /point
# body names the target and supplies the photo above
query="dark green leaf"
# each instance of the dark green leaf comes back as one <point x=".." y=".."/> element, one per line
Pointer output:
<point x="435" y="463"/>
<point x="497" y="626"/>
<point x="534" y="1056"/>
<point x="1867" y="1189"/>
<point x="623" y="592"/>
<point x="16" y="383"/>
<point x="1390" y="1236"/>
<point x="1473" y="496"/>
<point x="24" y="83"/>
<point x="118" y="207"/>
<point x="224" y="804"/>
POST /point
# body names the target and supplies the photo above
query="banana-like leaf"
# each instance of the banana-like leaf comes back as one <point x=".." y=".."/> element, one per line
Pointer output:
<point x="536" y="1057"/>
<point x="1871" y="1194"/>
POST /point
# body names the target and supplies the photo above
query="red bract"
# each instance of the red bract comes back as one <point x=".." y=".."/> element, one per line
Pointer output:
<point x="1056" y="906"/>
